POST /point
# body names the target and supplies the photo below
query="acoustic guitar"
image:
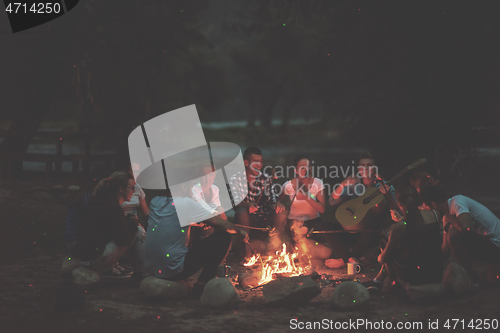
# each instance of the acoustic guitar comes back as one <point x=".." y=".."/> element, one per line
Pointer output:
<point x="355" y="214"/>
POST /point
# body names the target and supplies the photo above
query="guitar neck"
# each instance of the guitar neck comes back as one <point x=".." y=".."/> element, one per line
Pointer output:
<point x="408" y="168"/>
<point x="399" y="175"/>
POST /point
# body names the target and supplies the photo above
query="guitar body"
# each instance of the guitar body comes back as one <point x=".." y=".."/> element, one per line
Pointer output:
<point x="356" y="213"/>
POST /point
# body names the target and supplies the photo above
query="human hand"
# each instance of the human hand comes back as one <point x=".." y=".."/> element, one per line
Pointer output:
<point x="279" y="207"/>
<point x="253" y="208"/>
<point x="242" y="234"/>
<point x="132" y="218"/>
<point x="301" y="196"/>
<point x="449" y="220"/>
<point x="384" y="189"/>
<point x="349" y="181"/>
<point x="424" y="207"/>
<point x="396" y="217"/>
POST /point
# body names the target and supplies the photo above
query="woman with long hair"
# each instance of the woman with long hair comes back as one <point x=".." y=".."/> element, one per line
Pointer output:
<point x="105" y="235"/>
<point x="136" y="206"/>
<point x="412" y="252"/>
<point x="307" y="199"/>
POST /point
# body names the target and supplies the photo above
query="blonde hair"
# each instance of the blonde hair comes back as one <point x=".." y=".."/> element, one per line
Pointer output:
<point x="112" y="184"/>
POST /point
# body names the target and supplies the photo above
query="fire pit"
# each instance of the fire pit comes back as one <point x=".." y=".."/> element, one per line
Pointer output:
<point x="282" y="264"/>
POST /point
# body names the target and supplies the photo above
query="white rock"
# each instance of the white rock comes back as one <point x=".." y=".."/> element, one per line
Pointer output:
<point x="291" y="291"/>
<point x="69" y="264"/>
<point x="42" y="195"/>
<point x="161" y="289"/>
<point x="426" y="293"/>
<point x="84" y="277"/>
<point x="74" y="188"/>
<point x="350" y="295"/>
<point x="456" y="279"/>
<point x="220" y="293"/>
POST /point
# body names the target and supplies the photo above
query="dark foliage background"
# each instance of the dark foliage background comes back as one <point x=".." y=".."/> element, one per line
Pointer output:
<point x="402" y="78"/>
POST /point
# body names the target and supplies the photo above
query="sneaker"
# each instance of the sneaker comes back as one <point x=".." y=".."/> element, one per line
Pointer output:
<point x="114" y="273"/>
<point x="124" y="269"/>
<point x="373" y="287"/>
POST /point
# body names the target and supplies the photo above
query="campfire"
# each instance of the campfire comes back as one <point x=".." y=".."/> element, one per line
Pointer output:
<point x="282" y="264"/>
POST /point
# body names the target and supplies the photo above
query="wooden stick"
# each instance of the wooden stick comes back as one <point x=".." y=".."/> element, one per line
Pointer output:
<point x="343" y="231"/>
<point x="255" y="228"/>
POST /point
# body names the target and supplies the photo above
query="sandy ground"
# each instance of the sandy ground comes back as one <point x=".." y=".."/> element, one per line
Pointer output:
<point x="32" y="250"/>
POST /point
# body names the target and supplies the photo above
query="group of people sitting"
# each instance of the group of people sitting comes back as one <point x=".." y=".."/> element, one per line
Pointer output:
<point x="419" y="227"/>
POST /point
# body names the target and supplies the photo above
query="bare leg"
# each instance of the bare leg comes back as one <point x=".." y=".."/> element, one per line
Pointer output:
<point x="279" y="221"/>
<point x="382" y="274"/>
<point x="242" y="217"/>
<point x="391" y="272"/>
<point x="460" y="253"/>
<point x="276" y="240"/>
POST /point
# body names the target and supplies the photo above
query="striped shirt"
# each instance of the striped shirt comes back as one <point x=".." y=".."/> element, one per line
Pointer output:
<point x="261" y="192"/>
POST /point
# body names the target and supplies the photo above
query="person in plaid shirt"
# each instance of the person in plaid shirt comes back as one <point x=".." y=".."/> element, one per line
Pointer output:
<point x="259" y="206"/>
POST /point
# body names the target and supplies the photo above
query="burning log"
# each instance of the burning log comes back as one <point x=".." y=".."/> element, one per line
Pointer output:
<point x="282" y="264"/>
<point x="250" y="279"/>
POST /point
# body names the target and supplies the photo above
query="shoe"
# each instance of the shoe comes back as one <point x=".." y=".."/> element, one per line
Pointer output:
<point x="124" y="269"/>
<point x="197" y="291"/>
<point x="114" y="273"/>
<point x="373" y="287"/>
<point x="335" y="263"/>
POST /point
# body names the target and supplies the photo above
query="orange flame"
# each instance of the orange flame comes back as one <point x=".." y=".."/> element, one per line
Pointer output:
<point x="252" y="261"/>
<point x="282" y="263"/>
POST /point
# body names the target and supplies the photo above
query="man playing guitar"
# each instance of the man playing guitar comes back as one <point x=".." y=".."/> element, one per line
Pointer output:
<point x="351" y="188"/>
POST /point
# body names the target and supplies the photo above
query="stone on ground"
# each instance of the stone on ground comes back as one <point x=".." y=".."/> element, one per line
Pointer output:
<point x="74" y="188"/>
<point x="84" y="277"/>
<point x="492" y="274"/>
<point x="426" y="293"/>
<point x="350" y="295"/>
<point x="69" y="264"/>
<point x="41" y="195"/>
<point x="291" y="291"/>
<point x="249" y="279"/>
<point x="220" y="293"/>
<point x="161" y="289"/>
<point x="456" y="279"/>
